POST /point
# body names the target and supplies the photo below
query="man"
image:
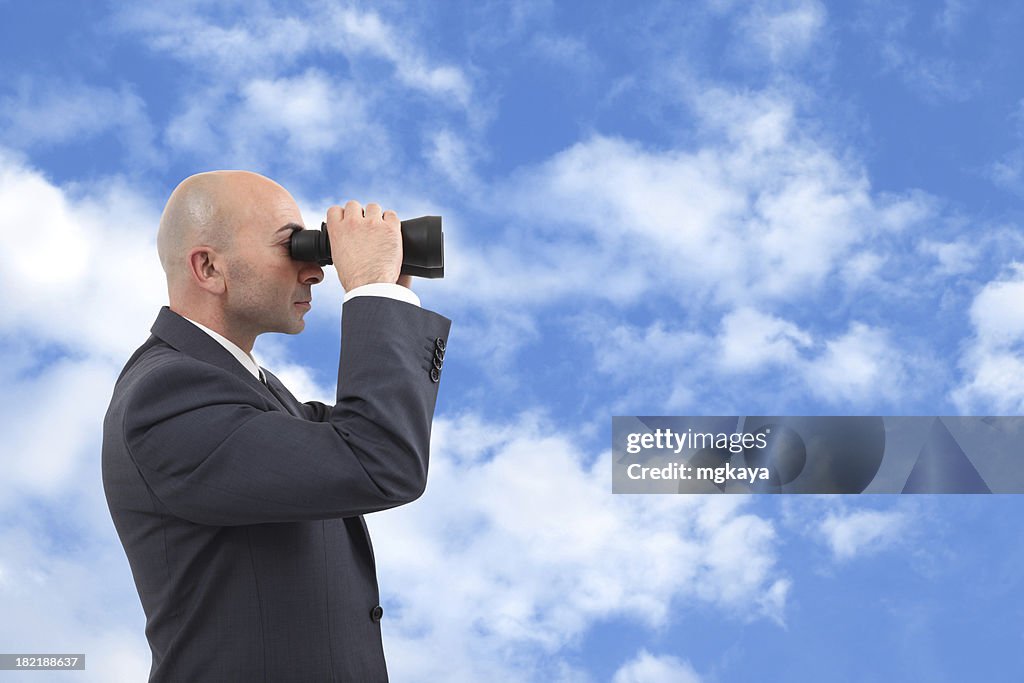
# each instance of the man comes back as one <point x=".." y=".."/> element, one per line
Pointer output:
<point x="240" y="508"/>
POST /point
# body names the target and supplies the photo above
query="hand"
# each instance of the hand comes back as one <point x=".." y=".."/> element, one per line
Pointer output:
<point x="366" y="245"/>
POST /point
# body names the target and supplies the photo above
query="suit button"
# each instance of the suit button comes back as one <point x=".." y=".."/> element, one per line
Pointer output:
<point x="376" y="613"/>
<point x="439" y="354"/>
<point x="439" y="343"/>
<point x="435" y="376"/>
<point x="438" y="363"/>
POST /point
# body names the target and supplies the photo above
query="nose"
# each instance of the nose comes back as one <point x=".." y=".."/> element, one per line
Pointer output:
<point x="311" y="275"/>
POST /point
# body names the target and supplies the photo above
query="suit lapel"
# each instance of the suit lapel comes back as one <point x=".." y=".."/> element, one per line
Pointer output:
<point x="187" y="338"/>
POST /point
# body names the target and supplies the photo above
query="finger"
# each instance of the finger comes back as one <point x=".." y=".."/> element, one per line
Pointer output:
<point x="334" y="214"/>
<point x="353" y="210"/>
<point x="373" y="211"/>
<point x="391" y="219"/>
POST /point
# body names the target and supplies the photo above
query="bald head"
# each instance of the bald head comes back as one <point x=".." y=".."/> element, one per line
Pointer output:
<point x="209" y="210"/>
<point x="224" y="242"/>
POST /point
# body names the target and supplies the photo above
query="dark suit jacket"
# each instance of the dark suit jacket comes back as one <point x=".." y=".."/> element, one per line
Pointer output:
<point x="239" y="507"/>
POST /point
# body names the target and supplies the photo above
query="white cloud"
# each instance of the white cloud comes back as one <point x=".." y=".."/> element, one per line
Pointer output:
<point x="192" y="129"/>
<point x="264" y="41"/>
<point x="80" y="296"/>
<point x="992" y="363"/>
<point x="302" y="107"/>
<point x="259" y="41"/>
<point x="951" y="18"/>
<point x="272" y="353"/>
<point x="783" y="31"/>
<point x="367" y="32"/>
<point x="759" y="212"/>
<point x="294" y="122"/>
<point x="923" y="67"/>
<point x="751" y="340"/>
<point x="46" y="113"/>
<point x="648" y="668"/>
<point x="45" y="461"/>
<point x="859" y="366"/>
<point x="856" y="533"/>
<point x="452" y="155"/>
<point x="86" y="273"/>
<point x="863" y="269"/>
<point x="72" y="596"/>
<point x="65" y="583"/>
<point x="998" y="310"/>
<point x="622" y="350"/>
<point x="934" y="78"/>
<point x="954" y="258"/>
<point x="994" y="382"/>
<point x="494" y="339"/>
<point x="301" y="91"/>
<point x="1008" y="172"/>
<point x="517" y="549"/>
<point x="570" y="52"/>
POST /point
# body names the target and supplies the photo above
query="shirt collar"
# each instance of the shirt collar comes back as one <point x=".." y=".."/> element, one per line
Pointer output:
<point x="244" y="358"/>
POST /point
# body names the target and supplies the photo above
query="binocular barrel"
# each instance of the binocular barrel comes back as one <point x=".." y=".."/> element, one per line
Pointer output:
<point x="422" y="246"/>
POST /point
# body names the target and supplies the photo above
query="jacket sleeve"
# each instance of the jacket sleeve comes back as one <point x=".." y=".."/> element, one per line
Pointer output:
<point x="212" y="454"/>
<point x="316" y="411"/>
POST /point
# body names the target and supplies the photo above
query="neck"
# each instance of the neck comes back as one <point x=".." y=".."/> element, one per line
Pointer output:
<point x="220" y="324"/>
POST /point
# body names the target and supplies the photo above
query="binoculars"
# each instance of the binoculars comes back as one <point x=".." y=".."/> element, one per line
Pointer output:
<point x="422" y="246"/>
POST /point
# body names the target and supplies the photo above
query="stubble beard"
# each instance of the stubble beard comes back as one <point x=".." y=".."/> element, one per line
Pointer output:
<point x="251" y="308"/>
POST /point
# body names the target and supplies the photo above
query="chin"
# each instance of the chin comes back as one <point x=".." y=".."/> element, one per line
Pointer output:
<point x="289" y="327"/>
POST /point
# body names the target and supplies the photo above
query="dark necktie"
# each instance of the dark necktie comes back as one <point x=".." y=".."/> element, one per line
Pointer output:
<point x="284" y="404"/>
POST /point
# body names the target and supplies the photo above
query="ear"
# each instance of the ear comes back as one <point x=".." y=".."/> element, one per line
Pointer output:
<point x="205" y="266"/>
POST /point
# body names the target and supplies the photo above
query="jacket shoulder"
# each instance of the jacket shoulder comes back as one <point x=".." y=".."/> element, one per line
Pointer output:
<point x="152" y="361"/>
<point x="161" y="371"/>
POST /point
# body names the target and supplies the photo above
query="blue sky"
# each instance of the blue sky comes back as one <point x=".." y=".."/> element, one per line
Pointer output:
<point x="720" y="207"/>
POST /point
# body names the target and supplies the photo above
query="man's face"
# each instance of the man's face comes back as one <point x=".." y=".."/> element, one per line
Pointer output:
<point x="267" y="291"/>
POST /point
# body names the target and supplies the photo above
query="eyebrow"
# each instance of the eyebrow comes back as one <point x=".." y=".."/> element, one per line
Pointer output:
<point x="290" y="226"/>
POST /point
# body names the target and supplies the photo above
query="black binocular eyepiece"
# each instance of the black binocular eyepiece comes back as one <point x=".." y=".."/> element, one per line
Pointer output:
<point x="422" y="246"/>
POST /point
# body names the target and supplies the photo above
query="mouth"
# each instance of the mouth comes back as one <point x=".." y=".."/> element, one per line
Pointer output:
<point x="303" y="304"/>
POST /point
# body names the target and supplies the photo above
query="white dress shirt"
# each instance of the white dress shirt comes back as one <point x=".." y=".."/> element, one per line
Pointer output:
<point x="384" y="289"/>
